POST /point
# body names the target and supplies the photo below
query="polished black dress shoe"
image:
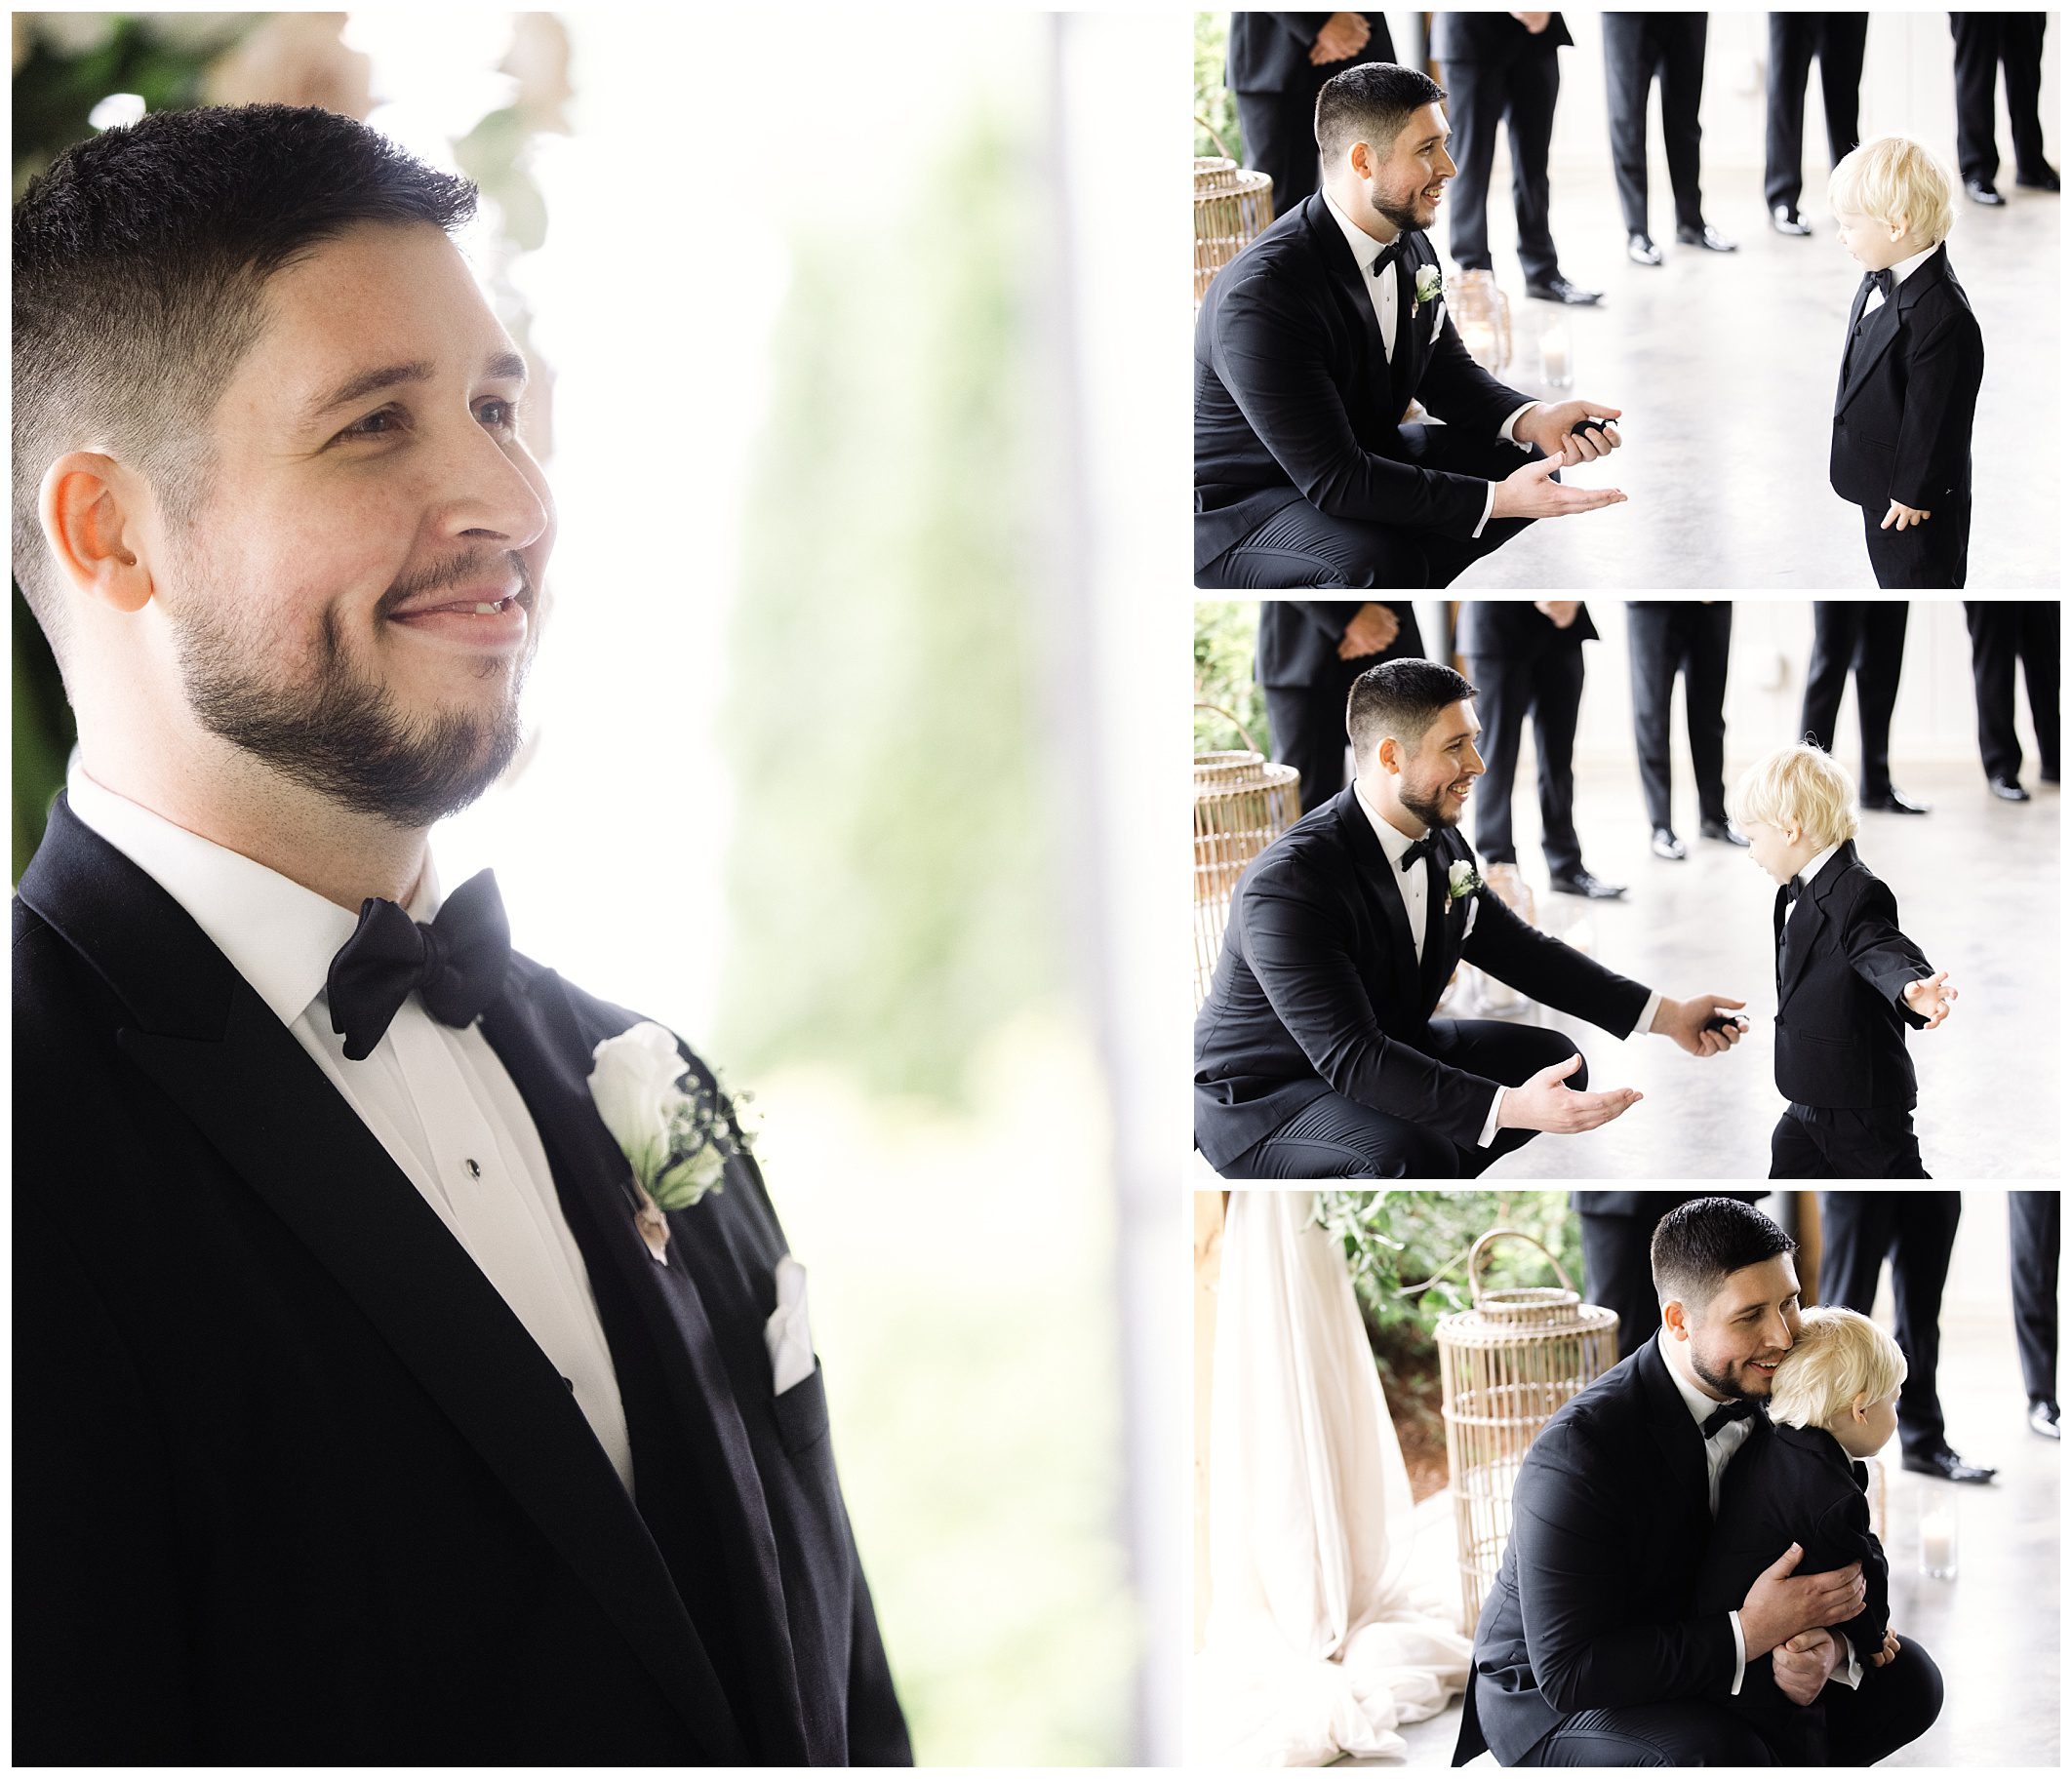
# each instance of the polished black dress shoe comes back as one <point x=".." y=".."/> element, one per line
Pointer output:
<point x="2007" y="791"/>
<point x="1707" y="237"/>
<point x="1980" y="193"/>
<point x="1642" y="250"/>
<point x="1892" y="804"/>
<point x="2046" y="181"/>
<point x="1558" y="288"/>
<point x="1580" y="882"/>
<point x="1665" y="844"/>
<point x="1947" y="1465"/>
<point x="2043" y="1418"/>
<point x="1785" y="220"/>
<point x="1723" y="830"/>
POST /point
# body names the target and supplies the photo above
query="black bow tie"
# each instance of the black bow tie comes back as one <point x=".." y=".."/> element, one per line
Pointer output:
<point x="1726" y="1413"/>
<point x="1417" y="849"/>
<point x="1386" y="256"/>
<point x="1879" y="281"/>
<point x="456" y="963"/>
<point x="1795" y="888"/>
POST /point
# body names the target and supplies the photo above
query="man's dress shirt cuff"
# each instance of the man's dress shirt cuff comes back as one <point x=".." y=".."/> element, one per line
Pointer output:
<point x="1489" y="505"/>
<point x="1489" y="1125"/>
<point x="1740" y="1655"/>
<point x="1852" y="1672"/>
<point x="1646" y="1021"/>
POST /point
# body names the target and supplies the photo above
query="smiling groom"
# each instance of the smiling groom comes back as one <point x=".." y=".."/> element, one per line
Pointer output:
<point x="367" y="1407"/>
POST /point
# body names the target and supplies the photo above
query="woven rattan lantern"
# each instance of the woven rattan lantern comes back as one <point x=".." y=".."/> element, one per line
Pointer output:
<point x="1482" y="313"/>
<point x="1506" y="1366"/>
<point x="1242" y="799"/>
<point x="1231" y="208"/>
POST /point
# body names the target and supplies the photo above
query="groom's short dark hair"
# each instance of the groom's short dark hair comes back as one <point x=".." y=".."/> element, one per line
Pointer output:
<point x="139" y="258"/>
<point x="1371" y="103"/>
<point x="1399" y="698"/>
<point x="1700" y="1243"/>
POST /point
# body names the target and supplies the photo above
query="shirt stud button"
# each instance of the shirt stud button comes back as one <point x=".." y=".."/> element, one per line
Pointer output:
<point x="474" y="1169"/>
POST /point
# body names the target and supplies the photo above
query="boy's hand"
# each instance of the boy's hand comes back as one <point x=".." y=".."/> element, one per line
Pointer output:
<point x="1901" y="516"/>
<point x="1890" y="1650"/>
<point x="1930" y="999"/>
<point x="1687" y="1022"/>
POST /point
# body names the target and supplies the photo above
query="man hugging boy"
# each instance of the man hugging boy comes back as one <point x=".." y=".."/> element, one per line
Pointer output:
<point x="1911" y="367"/>
<point x="1848" y="981"/>
<point x="1794" y="1496"/>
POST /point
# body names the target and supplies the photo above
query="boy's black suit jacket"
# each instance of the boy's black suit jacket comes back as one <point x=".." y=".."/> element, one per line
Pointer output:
<point x="1296" y="400"/>
<point x="1904" y="398"/>
<point x="1793" y="1485"/>
<point x="1842" y="965"/>
<point x="1319" y="988"/>
<point x="291" y="1481"/>
<point x="1594" y="1605"/>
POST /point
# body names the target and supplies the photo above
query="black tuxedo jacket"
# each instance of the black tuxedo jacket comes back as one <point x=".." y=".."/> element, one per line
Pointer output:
<point x="1793" y="1485"/>
<point x="1495" y="37"/>
<point x="1515" y="630"/>
<point x="1594" y="1605"/>
<point x="1319" y="988"/>
<point x="1296" y="400"/>
<point x="1842" y="965"/>
<point x="1904" y="398"/>
<point x="1299" y="640"/>
<point x="1269" y="51"/>
<point x="291" y="1481"/>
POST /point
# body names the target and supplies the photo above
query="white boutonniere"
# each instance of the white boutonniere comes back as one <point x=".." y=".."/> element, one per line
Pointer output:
<point x="1461" y="879"/>
<point x="1430" y="282"/>
<point x="677" y="1133"/>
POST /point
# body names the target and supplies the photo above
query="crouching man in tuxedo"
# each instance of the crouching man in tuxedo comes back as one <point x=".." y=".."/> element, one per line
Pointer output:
<point x="1316" y="1054"/>
<point x="1588" y="1653"/>
<point x="368" y="1408"/>
<point x="1311" y="346"/>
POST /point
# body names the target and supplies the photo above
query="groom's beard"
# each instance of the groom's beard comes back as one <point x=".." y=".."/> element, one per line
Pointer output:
<point x="1723" y="1385"/>
<point x="1426" y="809"/>
<point x="1402" y="218"/>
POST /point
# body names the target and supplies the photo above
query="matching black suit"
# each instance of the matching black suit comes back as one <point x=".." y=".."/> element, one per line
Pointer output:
<point x="292" y="1483"/>
<point x="1867" y="637"/>
<point x="1796" y="39"/>
<point x="1983" y="45"/>
<point x="1319" y="1001"/>
<point x="1303" y="474"/>
<point x="1307" y="684"/>
<point x="1690" y="636"/>
<point x="1592" y="1648"/>
<point x="1523" y="663"/>
<point x="1638" y="47"/>
<point x="1840" y="1037"/>
<point x="1266" y="66"/>
<point x="1792" y="1485"/>
<point x="1904" y="408"/>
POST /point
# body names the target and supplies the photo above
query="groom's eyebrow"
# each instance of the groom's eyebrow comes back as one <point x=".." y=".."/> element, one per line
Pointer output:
<point x="1750" y="1309"/>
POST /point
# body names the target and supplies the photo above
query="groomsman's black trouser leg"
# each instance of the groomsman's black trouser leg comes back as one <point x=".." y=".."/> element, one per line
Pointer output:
<point x="1917" y="1229"/>
<point x="1842" y="36"/>
<point x="1996" y="626"/>
<point x="1976" y="43"/>
<point x="2041" y="620"/>
<point x="1791" y="47"/>
<point x="1308" y="723"/>
<point x="1678" y="1732"/>
<point x="1557" y="698"/>
<point x="1881" y="646"/>
<point x="1838" y="627"/>
<point x="2032" y="1275"/>
<point x="1335" y="1138"/>
<point x="1534" y="87"/>
<point x="1629" y="67"/>
<point x="1280" y="132"/>
<point x="1652" y="647"/>
<point x="1935" y="553"/>
<point x="1474" y="105"/>
<point x="1708" y="636"/>
<point x="1618" y="1274"/>
<point x="2021" y="36"/>
<point x="1300" y="546"/>
<point x="1682" y="64"/>
<point x="1504" y="689"/>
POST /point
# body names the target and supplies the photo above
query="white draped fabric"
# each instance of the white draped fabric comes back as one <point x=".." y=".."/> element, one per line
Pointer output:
<point x="1314" y="1645"/>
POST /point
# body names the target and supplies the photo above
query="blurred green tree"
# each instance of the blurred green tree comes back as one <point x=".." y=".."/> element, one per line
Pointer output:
<point x="1213" y="102"/>
<point x="1226" y="640"/>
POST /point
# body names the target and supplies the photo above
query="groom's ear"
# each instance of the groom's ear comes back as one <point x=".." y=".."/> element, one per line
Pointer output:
<point x="1673" y="1317"/>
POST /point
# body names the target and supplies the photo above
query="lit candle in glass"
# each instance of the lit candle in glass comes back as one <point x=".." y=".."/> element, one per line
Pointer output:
<point x="1556" y="370"/>
<point x="1938" y="1543"/>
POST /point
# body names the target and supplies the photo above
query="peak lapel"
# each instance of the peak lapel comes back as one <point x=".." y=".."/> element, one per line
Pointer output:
<point x="538" y="1036"/>
<point x="1865" y="350"/>
<point x="1372" y="867"/>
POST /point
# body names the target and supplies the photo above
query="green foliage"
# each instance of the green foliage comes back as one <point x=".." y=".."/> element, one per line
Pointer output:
<point x="1225" y="636"/>
<point x="1393" y="1240"/>
<point x="883" y="685"/>
<point x="1213" y="102"/>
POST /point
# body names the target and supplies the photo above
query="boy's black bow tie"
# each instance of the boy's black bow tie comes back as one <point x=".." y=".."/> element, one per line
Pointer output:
<point x="1725" y="1413"/>
<point x="1795" y="888"/>
<point x="1879" y="281"/>
<point x="456" y="963"/>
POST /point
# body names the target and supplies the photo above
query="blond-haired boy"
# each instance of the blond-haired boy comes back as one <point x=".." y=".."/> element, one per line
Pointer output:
<point x="1797" y="1486"/>
<point x="1911" y="367"/>
<point x="1848" y="981"/>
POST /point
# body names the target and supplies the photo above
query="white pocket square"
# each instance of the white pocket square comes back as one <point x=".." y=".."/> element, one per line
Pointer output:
<point x="787" y="1333"/>
<point x="1470" y="927"/>
<point x="1438" y="316"/>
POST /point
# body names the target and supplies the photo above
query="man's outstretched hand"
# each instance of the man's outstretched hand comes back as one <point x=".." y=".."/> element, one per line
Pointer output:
<point x="1551" y="426"/>
<point x="1528" y="494"/>
<point x="1688" y="1022"/>
<point x="1543" y="1103"/>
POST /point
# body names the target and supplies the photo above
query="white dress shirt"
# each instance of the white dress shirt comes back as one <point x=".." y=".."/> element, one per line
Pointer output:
<point x="1719" y="1450"/>
<point x="1902" y="270"/>
<point x="1814" y="865"/>
<point x="1410" y="886"/>
<point x="1381" y="293"/>
<point x="435" y="1097"/>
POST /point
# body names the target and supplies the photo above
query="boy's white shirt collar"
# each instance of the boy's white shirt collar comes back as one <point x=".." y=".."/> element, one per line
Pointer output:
<point x="1818" y="863"/>
<point x="1903" y="269"/>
